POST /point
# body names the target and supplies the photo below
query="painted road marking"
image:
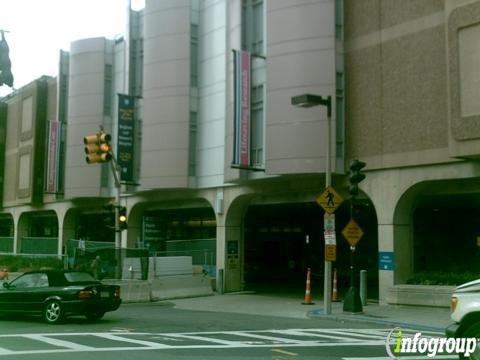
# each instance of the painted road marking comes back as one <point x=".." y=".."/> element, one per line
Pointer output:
<point x="58" y="342"/>
<point x="195" y="340"/>
<point x="406" y="357"/>
<point x="133" y="341"/>
<point x="275" y="340"/>
<point x="285" y="352"/>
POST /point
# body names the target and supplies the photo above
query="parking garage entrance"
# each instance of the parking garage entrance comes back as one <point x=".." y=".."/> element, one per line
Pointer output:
<point x="277" y="253"/>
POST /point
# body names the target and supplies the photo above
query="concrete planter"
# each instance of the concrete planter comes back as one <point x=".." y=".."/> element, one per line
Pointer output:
<point x="425" y="295"/>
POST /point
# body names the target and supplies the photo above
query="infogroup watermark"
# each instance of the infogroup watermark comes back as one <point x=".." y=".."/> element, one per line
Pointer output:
<point x="398" y="343"/>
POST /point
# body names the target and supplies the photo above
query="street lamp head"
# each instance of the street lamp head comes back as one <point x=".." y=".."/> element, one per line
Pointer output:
<point x="307" y="100"/>
<point x="310" y="100"/>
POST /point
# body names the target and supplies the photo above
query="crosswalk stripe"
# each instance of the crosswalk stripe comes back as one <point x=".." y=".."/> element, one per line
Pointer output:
<point x="133" y="341"/>
<point x="57" y="342"/>
<point x="353" y="333"/>
<point x="305" y="333"/>
<point x="202" y="338"/>
<point x="265" y="337"/>
<point x="419" y="357"/>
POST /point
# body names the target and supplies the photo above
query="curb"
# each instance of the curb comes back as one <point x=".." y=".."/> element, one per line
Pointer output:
<point x="369" y="319"/>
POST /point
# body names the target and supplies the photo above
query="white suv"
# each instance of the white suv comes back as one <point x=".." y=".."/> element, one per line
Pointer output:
<point x="465" y="306"/>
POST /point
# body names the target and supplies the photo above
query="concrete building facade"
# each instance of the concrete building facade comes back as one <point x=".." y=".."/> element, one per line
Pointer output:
<point x="403" y="87"/>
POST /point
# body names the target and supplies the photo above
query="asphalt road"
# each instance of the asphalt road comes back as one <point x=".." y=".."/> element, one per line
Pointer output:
<point x="159" y="331"/>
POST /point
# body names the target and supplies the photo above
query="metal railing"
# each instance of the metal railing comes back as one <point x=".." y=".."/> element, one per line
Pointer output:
<point x="6" y="244"/>
<point x="39" y="245"/>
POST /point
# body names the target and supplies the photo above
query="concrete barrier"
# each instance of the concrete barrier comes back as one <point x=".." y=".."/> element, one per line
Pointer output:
<point x="163" y="288"/>
<point x="132" y="290"/>
<point x="425" y="295"/>
<point x="181" y="286"/>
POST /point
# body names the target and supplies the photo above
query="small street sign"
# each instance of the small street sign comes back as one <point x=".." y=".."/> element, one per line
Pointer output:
<point x="330" y="252"/>
<point x="329" y="222"/>
<point x="352" y="232"/>
<point x="330" y="238"/>
<point x="329" y="200"/>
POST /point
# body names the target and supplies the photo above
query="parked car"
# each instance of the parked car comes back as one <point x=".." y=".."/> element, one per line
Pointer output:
<point x="465" y="306"/>
<point x="56" y="294"/>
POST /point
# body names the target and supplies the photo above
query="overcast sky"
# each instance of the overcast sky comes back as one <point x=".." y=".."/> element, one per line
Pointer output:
<point x="38" y="29"/>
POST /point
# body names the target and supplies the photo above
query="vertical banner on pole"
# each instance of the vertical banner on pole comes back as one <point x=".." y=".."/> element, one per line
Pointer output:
<point x="53" y="156"/>
<point x="126" y="138"/>
<point x="242" y="84"/>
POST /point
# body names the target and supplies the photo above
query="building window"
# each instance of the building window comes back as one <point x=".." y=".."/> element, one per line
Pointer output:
<point x="253" y="34"/>
<point x="340" y="113"/>
<point x="253" y="26"/>
<point x="194" y="55"/>
<point x="192" y="155"/>
<point x="339" y="20"/>
<point x="257" y="123"/>
<point x="107" y="91"/>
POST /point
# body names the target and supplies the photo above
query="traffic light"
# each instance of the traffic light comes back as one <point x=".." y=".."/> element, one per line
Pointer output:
<point x="6" y="76"/>
<point x="356" y="176"/>
<point x="98" y="148"/>
<point x="122" y="218"/>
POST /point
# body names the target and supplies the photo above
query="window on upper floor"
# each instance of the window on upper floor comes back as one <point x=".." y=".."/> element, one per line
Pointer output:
<point x="257" y="123"/>
<point x="253" y="34"/>
<point x="253" y="26"/>
<point x="194" y="55"/>
<point x="107" y="91"/>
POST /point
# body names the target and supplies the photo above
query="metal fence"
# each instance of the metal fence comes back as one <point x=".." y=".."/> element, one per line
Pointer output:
<point x="6" y="245"/>
<point x="39" y="245"/>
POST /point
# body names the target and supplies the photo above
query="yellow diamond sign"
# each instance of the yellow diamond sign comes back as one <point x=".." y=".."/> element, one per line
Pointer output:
<point x="329" y="200"/>
<point x="352" y="232"/>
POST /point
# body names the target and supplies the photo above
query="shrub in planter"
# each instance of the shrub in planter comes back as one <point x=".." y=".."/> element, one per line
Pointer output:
<point x="22" y="263"/>
<point x="442" y="278"/>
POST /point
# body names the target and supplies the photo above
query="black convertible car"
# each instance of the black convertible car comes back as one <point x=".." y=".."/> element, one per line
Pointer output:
<point x="55" y="294"/>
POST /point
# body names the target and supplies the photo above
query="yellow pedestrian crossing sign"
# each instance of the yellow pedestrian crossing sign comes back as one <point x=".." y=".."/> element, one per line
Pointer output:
<point x="329" y="200"/>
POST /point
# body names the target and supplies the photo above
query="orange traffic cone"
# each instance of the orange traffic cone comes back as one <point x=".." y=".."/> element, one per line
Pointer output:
<point x="308" y="294"/>
<point x="335" y="290"/>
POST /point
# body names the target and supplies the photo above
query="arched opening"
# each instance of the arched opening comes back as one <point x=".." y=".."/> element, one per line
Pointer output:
<point x="7" y="228"/>
<point x="446" y="234"/>
<point x="277" y="253"/>
<point x="437" y="233"/>
<point x="184" y="230"/>
<point x="38" y="233"/>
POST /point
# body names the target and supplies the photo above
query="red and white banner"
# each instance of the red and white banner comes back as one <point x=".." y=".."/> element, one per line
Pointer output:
<point x="242" y="77"/>
<point x="53" y="156"/>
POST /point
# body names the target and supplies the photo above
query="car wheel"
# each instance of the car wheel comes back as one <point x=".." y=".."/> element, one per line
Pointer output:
<point x="94" y="315"/>
<point x="53" y="312"/>
<point x="473" y="332"/>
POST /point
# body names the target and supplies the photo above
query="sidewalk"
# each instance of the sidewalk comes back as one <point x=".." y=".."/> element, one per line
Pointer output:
<point x="423" y="318"/>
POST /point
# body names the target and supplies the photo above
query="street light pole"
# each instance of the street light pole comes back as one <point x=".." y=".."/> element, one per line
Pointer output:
<point x="327" y="283"/>
<point x="118" y="231"/>
<point x="306" y="101"/>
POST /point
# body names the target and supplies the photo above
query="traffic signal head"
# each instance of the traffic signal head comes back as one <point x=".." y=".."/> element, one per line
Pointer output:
<point x="97" y="148"/>
<point x="356" y="176"/>
<point x="122" y="218"/>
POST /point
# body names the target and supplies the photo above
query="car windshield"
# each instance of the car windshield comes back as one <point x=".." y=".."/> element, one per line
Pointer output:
<point x="78" y="277"/>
